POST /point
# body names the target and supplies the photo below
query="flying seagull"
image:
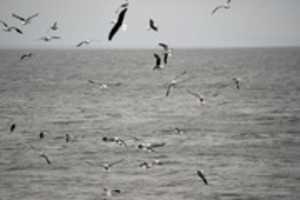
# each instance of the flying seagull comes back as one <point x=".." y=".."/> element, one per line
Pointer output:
<point x="237" y="82"/>
<point x="117" y="140"/>
<point x="123" y="5"/>
<point x="201" y="175"/>
<point x="173" y="83"/>
<point x="167" y="51"/>
<point x="84" y="42"/>
<point x="46" y="158"/>
<point x="152" y="25"/>
<point x="198" y="96"/>
<point x="26" y="55"/>
<point x="49" y="38"/>
<point x="25" y="20"/>
<point x="54" y="26"/>
<point x="219" y="7"/>
<point x="7" y="28"/>
<point x="12" y="127"/>
<point x="118" y="24"/>
<point x="158" y="64"/>
<point x="111" y="192"/>
<point x="107" y="166"/>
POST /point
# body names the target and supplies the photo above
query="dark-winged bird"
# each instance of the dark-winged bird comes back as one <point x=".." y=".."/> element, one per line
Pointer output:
<point x="158" y="64"/>
<point x="219" y="7"/>
<point x="46" y="158"/>
<point x="7" y="28"/>
<point x="25" y="20"/>
<point x="54" y="26"/>
<point x="152" y="25"/>
<point x="26" y="55"/>
<point x="167" y="51"/>
<point x="237" y="82"/>
<point x="198" y="96"/>
<point x="118" y="24"/>
<point x="12" y="127"/>
<point x="201" y="175"/>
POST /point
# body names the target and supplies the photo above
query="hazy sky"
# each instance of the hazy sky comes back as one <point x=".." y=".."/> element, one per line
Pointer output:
<point x="182" y="23"/>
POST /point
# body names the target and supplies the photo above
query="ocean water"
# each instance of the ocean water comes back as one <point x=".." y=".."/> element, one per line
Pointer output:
<point x="245" y="141"/>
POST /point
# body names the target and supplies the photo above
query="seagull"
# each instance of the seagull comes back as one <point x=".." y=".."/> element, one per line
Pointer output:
<point x="26" y="55"/>
<point x="173" y="83"/>
<point x="7" y="28"/>
<point x="42" y="134"/>
<point x="67" y="137"/>
<point x="107" y="166"/>
<point x="167" y="51"/>
<point x="12" y="127"/>
<point x="147" y="165"/>
<point x="219" y="7"/>
<point x="201" y="175"/>
<point x="152" y="25"/>
<point x="54" y="26"/>
<point x="228" y="2"/>
<point x="123" y="5"/>
<point x="115" y="139"/>
<point x="237" y="82"/>
<point x="49" y="38"/>
<point x="25" y="20"/>
<point x="158" y="65"/>
<point x="109" y="192"/>
<point x="84" y="42"/>
<point x="46" y="158"/>
<point x="118" y="24"/>
<point x="198" y="96"/>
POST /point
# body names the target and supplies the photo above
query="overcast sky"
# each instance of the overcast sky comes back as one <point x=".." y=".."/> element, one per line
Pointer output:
<point x="182" y="23"/>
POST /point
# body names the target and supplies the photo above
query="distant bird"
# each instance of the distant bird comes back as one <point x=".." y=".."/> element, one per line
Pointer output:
<point x="84" y="42"/>
<point x="25" y="20"/>
<point x="150" y="146"/>
<point x="219" y="7"/>
<point x="198" y="96"/>
<point x="152" y="25"/>
<point x="107" y="166"/>
<point x="12" y="127"/>
<point x="46" y="158"/>
<point x="228" y="2"/>
<point x="237" y="82"/>
<point x="42" y="134"/>
<point x="26" y="55"/>
<point x="54" y="26"/>
<point x="158" y="64"/>
<point x="179" y="131"/>
<point x="67" y="137"/>
<point x="111" y="192"/>
<point x="167" y="51"/>
<point x="118" y="24"/>
<point x="114" y="139"/>
<point x="148" y="165"/>
<point x="7" y="28"/>
<point x="122" y="6"/>
<point x="49" y="38"/>
<point x="201" y="175"/>
<point x="173" y="83"/>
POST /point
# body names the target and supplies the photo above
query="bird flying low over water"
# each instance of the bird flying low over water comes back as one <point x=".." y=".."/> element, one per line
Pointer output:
<point x="84" y="42"/>
<point x="26" y="55"/>
<point x="54" y="26"/>
<point x="123" y="5"/>
<point x="118" y="24"/>
<point x="25" y="20"/>
<point x="7" y="28"/>
<point x="49" y="38"/>
<point x="46" y="158"/>
<point x="237" y="82"/>
<point x="173" y="83"/>
<point x="158" y="64"/>
<point x="201" y="175"/>
<point x="219" y="7"/>
<point x="107" y="166"/>
<point x="152" y="25"/>
<point x="167" y="51"/>
<point x="198" y="96"/>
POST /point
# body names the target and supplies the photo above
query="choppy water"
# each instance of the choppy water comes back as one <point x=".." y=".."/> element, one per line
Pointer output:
<point x="246" y="141"/>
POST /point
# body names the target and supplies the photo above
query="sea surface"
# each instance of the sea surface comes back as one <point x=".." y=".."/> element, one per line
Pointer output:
<point x="246" y="141"/>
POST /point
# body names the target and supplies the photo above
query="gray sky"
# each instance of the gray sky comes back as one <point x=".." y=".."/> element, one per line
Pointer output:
<point x="182" y="23"/>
